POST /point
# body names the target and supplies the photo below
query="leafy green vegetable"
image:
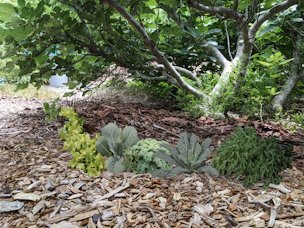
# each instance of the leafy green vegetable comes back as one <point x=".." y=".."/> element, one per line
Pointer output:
<point x="251" y="158"/>
<point x="113" y="143"/>
<point x="141" y="157"/>
<point x="80" y="144"/>
<point x="187" y="157"/>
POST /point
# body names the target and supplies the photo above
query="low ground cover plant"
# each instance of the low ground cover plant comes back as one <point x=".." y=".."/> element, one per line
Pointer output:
<point x="80" y="144"/>
<point x="51" y="110"/>
<point x="141" y="158"/>
<point x="244" y="154"/>
<point x="248" y="157"/>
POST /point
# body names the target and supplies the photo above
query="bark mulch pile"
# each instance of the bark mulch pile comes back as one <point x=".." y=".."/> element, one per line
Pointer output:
<point x="38" y="189"/>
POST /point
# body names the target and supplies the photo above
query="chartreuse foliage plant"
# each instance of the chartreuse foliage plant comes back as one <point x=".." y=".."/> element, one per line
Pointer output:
<point x="247" y="156"/>
<point x="187" y="157"/>
<point x="113" y="143"/>
<point x="80" y="144"/>
<point x="141" y="157"/>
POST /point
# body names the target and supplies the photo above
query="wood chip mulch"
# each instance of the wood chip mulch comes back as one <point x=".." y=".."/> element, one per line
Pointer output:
<point x="34" y="171"/>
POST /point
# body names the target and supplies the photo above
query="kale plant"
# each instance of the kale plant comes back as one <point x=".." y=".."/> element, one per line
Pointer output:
<point x="187" y="157"/>
<point x="141" y="157"/>
<point x="113" y="143"/>
<point x="247" y="156"/>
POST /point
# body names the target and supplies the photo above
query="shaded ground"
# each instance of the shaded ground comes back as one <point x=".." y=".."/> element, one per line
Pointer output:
<point x="31" y="161"/>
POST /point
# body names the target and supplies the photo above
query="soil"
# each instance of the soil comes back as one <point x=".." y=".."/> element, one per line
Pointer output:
<point x="32" y="163"/>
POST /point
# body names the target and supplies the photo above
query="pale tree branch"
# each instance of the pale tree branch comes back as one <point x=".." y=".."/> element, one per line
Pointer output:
<point x="218" y="55"/>
<point x="181" y="70"/>
<point x="296" y="72"/>
<point x="223" y="12"/>
<point x="239" y="48"/>
<point x="212" y="49"/>
<point x="228" y="40"/>
<point x="268" y="14"/>
<point x="154" y="50"/>
<point x="165" y="78"/>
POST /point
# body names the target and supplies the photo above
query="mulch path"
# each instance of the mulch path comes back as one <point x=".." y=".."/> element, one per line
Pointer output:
<point x="33" y="166"/>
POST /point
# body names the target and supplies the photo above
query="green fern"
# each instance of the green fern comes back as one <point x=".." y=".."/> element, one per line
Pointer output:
<point x="251" y="158"/>
<point x="187" y="157"/>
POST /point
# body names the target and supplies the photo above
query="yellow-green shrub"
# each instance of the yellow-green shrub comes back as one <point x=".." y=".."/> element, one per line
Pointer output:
<point x="80" y="144"/>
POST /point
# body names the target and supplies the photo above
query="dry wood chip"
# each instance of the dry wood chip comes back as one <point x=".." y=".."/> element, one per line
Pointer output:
<point x="33" y="185"/>
<point x="74" y="190"/>
<point x="56" y="209"/>
<point x="281" y="224"/>
<point x="83" y="216"/>
<point x="113" y="192"/>
<point x="290" y="215"/>
<point x="273" y="215"/>
<point x="206" y="209"/>
<point x="67" y="214"/>
<point x="209" y="221"/>
<point x="5" y="195"/>
<point x="38" y="207"/>
<point x="91" y="223"/>
<point x="177" y="196"/>
<point x="26" y="196"/>
<point x="75" y="196"/>
<point x="280" y="187"/>
<point x="149" y="195"/>
<point x="64" y="224"/>
<point x="224" y="192"/>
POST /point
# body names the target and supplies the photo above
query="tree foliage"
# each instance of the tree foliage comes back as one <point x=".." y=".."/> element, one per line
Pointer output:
<point x="164" y="40"/>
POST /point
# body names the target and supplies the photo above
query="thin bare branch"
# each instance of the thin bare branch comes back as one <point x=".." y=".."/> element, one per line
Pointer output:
<point x="218" y="55"/>
<point x="153" y="48"/>
<point x="217" y="10"/>
<point x="228" y="40"/>
<point x="181" y="70"/>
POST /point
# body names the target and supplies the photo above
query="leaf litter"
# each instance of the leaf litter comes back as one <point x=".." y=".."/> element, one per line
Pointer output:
<point x="34" y="172"/>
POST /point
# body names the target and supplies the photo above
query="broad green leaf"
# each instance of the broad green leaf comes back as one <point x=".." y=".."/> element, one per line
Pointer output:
<point x="102" y="146"/>
<point x="167" y="158"/>
<point x="129" y="136"/>
<point x="112" y="133"/>
<point x="179" y="170"/>
<point x="183" y="143"/>
<point x="115" y="165"/>
<point x="7" y="12"/>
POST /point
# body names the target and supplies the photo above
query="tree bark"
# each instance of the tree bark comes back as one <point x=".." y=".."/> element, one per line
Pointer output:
<point x="296" y="71"/>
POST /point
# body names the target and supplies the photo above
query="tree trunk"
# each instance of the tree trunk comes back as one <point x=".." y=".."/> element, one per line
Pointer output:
<point x="295" y="73"/>
<point x="223" y="81"/>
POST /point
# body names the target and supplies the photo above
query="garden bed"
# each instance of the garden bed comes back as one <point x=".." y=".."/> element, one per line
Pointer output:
<point x="33" y="165"/>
